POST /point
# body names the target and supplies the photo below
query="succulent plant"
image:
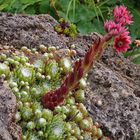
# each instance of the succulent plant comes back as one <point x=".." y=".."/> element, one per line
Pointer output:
<point x="82" y="109"/>
<point x="27" y="113"/>
<point x="30" y="80"/>
<point x="4" y="70"/>
<point x="87" y="136"/>
<point x="39" y="64"/>
<point x="69" y="29"/>
<point x="66" y="65"/>
<point x="52" y="69"/>
<point x="25" y="74"/>
<point x="79" y="95"/>
<point x="56" y="128"/>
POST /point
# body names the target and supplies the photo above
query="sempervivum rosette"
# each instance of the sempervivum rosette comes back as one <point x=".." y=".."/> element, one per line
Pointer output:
<point x="56" y="128"/>
<point x="4" y="70"/>
<point x="25" y="74"/>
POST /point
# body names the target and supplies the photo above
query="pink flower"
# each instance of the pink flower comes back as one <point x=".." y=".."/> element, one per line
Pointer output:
<point x="116" y="28"/>
<point x="109" y="25"/>
<point x="122" y="16"/>
<point x="121" y="42"/>
<point x="123" y="30"/>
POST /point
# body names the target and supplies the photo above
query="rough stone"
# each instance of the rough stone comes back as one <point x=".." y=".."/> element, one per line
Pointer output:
<point x="119" y="113"/>
<point x="8" y="129"/>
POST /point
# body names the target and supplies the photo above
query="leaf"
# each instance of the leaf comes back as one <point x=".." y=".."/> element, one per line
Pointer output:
<point x="73" y="19"/>
<point x="62" y="5"/>
<point x="128" y="3"/>
<point x="111" y="2"/>
<point x="136" y="60"/>
<point x="85" y="27"/>
<point x="98" y="26"/>
<point x="84" y="14"/>
<point x="15" y="7"/>
<point x="32" y="6"/>
<point x="44" y="7"/>
<point x="30" y="10"/>
<point x="132" y="52"/>
<point x="61" y="14"/>
<point x="29" y="1"/>
<point x="4" y="4"/>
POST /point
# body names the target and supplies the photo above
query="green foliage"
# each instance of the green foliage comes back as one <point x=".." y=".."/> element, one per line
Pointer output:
<point x="25" y="6"/>
<point x="88" y="15"/>
<point x="69" y="29"/>
<point x="134" y="54"/>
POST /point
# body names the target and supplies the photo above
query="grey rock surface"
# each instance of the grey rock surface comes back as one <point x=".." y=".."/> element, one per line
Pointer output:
<point x="111" y="101"/>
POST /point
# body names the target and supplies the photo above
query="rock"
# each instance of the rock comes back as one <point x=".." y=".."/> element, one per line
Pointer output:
<point x="8" y="129"/>
<point x="113" y="96"/>
<point x="120" y="110"/>
<point x="22" y="30"/>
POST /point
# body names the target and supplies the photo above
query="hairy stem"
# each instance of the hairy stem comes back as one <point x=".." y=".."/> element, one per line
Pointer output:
<point x="81" y="67"/>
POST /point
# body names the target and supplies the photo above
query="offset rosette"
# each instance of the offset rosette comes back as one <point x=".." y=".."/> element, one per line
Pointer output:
<point x="4" y="70"/>
<point x="25" y="74"/>
<point x="56" y="128"/>
<point x="52" y="69"/>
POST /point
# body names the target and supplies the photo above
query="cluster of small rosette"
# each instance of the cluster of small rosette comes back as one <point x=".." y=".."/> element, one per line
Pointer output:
<point x="117" y="28"/>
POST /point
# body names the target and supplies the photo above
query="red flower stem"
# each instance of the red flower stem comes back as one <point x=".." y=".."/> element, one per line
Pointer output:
<point x="81" y="67"/>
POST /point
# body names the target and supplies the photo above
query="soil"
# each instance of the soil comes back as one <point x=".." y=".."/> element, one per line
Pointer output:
<point x="113" y="92"/>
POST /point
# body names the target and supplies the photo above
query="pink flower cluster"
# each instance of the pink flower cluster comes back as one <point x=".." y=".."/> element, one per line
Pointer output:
<point x="117" y="28"/>
<point x="122" y="16"/>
